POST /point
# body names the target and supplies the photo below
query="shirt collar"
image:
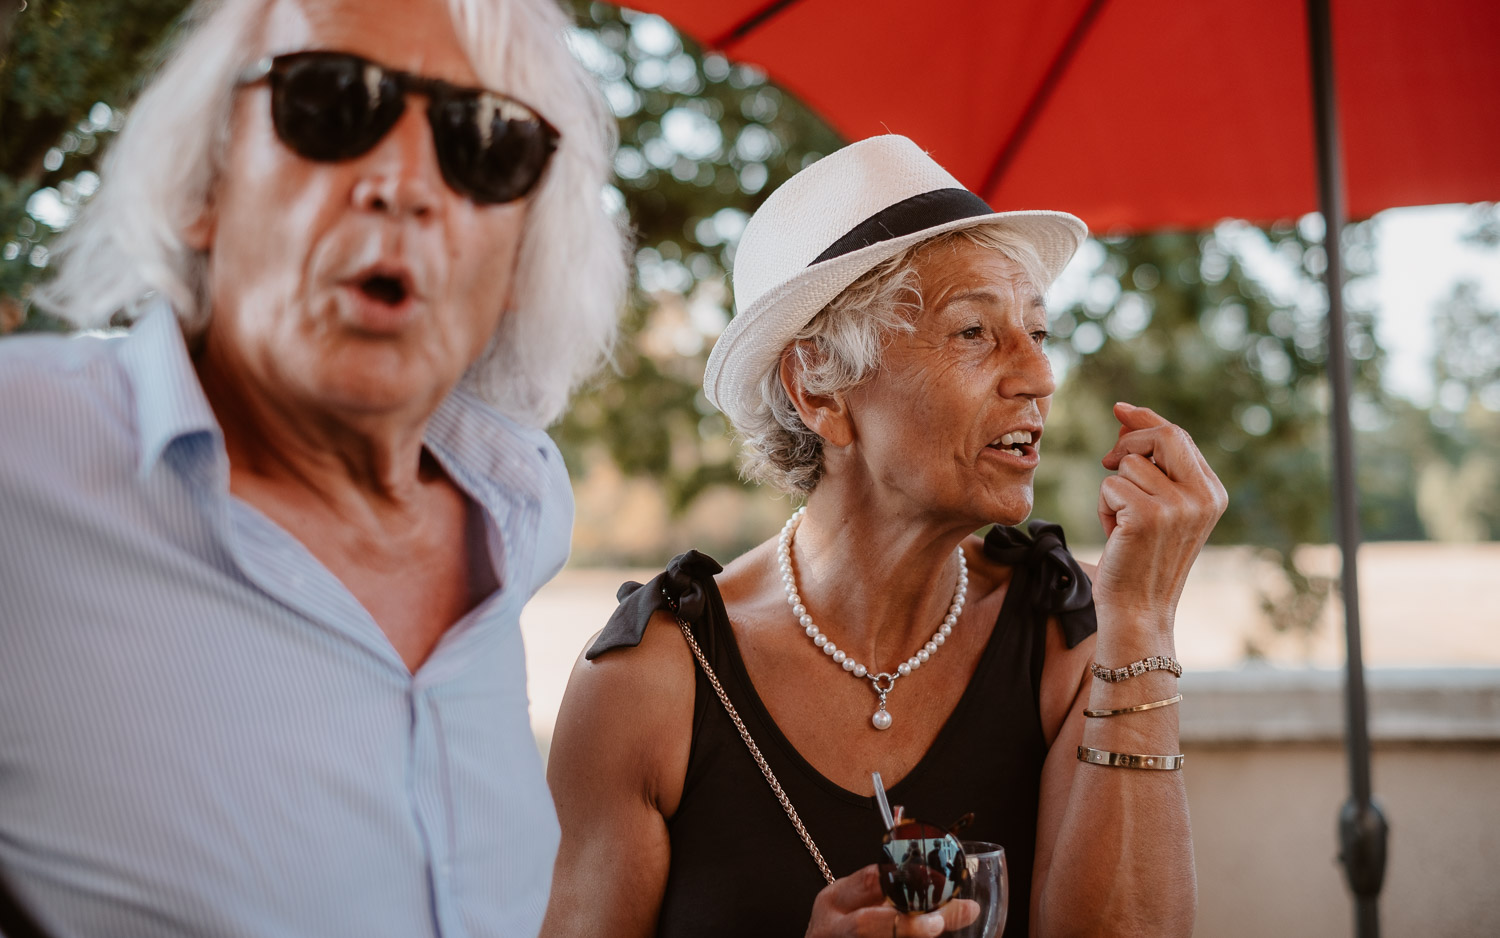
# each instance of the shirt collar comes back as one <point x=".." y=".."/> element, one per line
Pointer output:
<point x="169" y="400"/>
<point x="489" y="453"/>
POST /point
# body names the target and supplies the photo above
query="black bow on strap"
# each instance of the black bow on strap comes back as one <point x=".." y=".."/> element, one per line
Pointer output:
<point x="678" y="589"/>
<point x="1055" y="583"/>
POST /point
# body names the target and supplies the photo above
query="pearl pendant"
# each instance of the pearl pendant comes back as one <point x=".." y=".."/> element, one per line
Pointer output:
<point x="883" y="682"/>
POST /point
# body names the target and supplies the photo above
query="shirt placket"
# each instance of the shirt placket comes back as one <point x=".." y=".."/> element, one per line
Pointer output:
<point x="431" y="804"/>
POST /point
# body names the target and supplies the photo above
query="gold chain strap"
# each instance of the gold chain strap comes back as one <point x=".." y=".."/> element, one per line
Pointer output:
<point x="760" y="760"/>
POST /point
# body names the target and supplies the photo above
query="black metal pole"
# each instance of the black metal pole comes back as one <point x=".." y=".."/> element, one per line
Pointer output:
<point x="1362" y="827"/>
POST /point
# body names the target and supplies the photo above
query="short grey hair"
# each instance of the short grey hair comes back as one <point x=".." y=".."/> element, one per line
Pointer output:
<point x="841" y="348"/>
<point x="571" y="271"/>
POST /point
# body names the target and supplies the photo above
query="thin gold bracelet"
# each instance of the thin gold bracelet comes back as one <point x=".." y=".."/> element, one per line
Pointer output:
<point x="1137" y="709"/>
<point x="1130" y="760"/>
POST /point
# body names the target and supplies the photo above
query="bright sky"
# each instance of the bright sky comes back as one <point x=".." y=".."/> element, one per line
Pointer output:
<point x="1419" y="257"/>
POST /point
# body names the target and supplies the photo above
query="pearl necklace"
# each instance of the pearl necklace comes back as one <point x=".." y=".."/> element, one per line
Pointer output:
<point x="884" y="681"/>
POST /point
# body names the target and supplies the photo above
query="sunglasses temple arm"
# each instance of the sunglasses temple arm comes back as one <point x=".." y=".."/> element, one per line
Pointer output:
<point x="882" y="803"/>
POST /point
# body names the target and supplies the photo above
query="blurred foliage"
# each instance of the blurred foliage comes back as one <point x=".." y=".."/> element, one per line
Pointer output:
<point x="1467" y="360"/>
<point x="702" y="142"/>
<point x="1220" y="330"/>
<point x="62" y="62"/>
<point x="1459" y="486"/>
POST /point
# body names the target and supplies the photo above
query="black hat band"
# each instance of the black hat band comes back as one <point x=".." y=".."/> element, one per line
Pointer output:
<point x="909" y="216"/>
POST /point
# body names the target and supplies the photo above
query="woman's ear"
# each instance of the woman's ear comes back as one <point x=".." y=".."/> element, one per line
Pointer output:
<point x="824" y="414"/>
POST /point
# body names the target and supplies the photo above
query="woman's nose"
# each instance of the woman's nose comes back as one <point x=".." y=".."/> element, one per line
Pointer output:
<point x="1029" y="371"/>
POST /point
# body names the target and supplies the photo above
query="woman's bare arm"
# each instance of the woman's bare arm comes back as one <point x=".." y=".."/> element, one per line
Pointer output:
<point x="1114" y="850"/>
<point x="618" y="757"/>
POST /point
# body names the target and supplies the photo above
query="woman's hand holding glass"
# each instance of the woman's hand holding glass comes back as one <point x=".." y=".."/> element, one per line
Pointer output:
<point x="855" y="907"/>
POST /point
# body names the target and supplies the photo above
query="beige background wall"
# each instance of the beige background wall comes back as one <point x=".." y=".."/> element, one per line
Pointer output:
<point x="1264" y="832"/>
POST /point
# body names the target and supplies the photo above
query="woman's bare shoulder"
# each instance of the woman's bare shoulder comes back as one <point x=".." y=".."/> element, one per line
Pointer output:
<point x="626" y="720"/>
<point x="751" y="590"/>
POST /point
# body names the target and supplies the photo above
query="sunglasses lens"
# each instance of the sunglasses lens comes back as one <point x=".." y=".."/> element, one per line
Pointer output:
<point x="921" y="867"/>
<point x="332" y="107"/>
<point x="490" y="148"/>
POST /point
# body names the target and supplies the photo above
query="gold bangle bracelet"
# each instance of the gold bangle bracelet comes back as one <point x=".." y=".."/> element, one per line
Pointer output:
<point x="1130" y="760"/>
<point x="1137" y="709"/>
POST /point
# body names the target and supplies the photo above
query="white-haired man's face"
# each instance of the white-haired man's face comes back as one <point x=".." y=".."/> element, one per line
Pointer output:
<point x="364" y="287"/>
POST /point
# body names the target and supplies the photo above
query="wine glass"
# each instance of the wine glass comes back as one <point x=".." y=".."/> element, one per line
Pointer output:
<point x="988" y="885"/>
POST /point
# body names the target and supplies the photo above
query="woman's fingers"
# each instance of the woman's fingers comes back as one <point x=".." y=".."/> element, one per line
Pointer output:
<point x="1143" y="433"/>
<point x="959" y="913"/>
<point x="1146" y="475"/>
<point x="1157" y="509"/>
<point x="855" y="891"/>
<point x="1168" y="447"/>
<point x="853" y="907"/>
<point x="886" y="922"/>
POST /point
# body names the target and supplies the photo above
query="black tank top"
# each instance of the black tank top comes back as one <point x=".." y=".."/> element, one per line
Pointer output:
<point x="738" y="867"/>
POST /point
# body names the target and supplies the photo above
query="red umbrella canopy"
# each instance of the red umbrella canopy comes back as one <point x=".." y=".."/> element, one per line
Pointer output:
<point x="1141" y="114"/>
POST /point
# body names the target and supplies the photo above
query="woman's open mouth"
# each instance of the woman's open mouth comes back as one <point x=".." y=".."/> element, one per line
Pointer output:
<point x="1016" y="443"/>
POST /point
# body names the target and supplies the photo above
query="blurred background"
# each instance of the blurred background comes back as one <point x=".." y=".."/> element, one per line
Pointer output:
<point x="1222" y="329"/>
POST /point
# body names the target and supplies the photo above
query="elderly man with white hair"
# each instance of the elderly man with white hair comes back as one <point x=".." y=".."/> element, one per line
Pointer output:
<point x="264" y="555"/>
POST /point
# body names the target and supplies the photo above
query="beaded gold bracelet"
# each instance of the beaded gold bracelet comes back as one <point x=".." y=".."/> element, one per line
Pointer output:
<point x="1130" y="760"/>
<point x="1137" y="668"/>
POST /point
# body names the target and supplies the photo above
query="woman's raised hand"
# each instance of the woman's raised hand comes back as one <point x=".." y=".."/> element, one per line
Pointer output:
<point x="853" y="907"/>
<point x="1158" y="510"/>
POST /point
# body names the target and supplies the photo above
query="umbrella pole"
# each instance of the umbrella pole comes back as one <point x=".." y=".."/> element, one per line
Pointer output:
<point x="1362" y="827"/>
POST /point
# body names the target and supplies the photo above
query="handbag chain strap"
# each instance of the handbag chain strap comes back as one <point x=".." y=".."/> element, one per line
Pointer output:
<point x="760" y="760"/>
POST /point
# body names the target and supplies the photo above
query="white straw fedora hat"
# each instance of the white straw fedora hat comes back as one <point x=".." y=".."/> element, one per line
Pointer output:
<point x="830" y="224"/>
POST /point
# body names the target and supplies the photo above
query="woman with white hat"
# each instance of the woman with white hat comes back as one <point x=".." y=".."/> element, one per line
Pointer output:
<point x="712" y="763"/>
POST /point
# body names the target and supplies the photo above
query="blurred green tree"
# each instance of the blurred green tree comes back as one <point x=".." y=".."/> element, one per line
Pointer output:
<point x="703" y="141"/>
<point x="65" y="67"/>
<point x="1459" y="476"/>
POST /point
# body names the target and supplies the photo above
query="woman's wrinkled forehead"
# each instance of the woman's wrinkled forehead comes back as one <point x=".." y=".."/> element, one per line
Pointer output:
<point x="958" y="271"/>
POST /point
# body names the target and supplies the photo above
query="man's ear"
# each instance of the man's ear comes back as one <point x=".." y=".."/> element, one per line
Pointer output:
<point x="198" y="234"/>
<point x="826" y="415"/>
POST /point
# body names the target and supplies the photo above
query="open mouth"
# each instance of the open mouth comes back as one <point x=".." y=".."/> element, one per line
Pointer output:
<point x="1017" y="443"/>
<point x="384" y="288"/>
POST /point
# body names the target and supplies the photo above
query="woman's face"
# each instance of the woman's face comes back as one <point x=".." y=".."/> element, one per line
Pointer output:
<point x="953" y="418"/>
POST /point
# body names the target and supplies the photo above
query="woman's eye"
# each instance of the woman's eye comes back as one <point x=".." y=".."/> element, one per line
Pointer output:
<point x="1040" y="336"/>
<point x="973" y="332"/>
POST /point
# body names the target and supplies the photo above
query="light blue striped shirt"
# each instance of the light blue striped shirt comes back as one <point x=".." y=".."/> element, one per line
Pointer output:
<point x="202" y="732"/>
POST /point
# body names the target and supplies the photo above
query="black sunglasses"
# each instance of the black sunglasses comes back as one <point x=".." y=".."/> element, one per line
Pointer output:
<point x="331" y="106"/>
<point x="921" y="866"/>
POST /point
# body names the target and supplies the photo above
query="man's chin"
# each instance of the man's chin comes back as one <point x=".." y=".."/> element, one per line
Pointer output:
<point x="372" y="392"/>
